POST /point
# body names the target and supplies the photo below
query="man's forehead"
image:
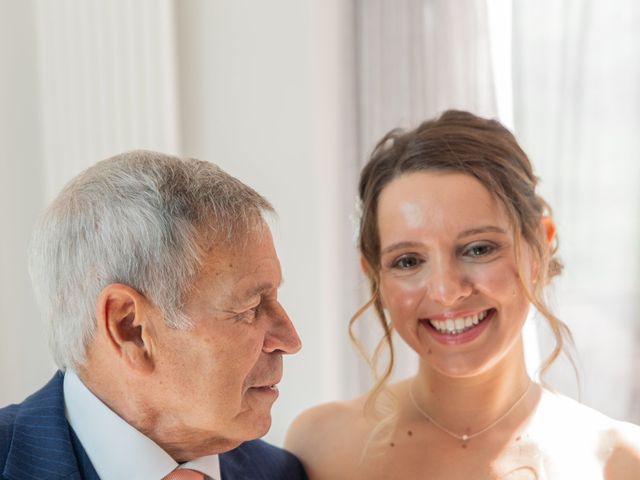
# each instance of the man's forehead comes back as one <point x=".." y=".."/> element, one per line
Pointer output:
<point x="246" y="277"/>
<point x="250" y="265"/>
<point x="225" y="258"/>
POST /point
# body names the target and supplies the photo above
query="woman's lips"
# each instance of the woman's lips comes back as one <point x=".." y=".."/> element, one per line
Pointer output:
<point x="459" y="330"/>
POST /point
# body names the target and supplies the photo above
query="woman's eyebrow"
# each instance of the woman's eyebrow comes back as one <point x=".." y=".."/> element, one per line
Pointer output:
<point x="484" y="229"/>
<point x="399" y="246"/>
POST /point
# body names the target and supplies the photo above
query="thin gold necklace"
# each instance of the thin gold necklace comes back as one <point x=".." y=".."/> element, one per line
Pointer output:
<point x="466" y="437"/>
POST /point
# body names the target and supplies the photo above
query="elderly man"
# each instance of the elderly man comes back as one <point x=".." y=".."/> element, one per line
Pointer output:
<point x="159" y="279"/>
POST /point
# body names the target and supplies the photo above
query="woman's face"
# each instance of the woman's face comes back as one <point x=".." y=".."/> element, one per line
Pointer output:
<point x="449" y="278"/>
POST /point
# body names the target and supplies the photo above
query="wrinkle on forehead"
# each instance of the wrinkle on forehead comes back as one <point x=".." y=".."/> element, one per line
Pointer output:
<point x="264" y="278"/>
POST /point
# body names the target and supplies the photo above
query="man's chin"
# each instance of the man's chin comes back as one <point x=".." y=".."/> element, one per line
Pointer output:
<point x="249" y="429"/>
<point x="261" y="426"/>
<point x="256" y="416"/>
<point x="254" y="423"/>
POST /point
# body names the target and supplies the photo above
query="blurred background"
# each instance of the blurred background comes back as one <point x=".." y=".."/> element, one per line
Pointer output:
<point x="290" y="96"/>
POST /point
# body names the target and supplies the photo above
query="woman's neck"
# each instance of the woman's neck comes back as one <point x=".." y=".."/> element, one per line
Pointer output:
<point x="467" y="405"/>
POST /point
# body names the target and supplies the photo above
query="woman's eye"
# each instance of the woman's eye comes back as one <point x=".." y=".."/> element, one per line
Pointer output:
<point x="480" y="250"/>
<point x="406" y="262"/>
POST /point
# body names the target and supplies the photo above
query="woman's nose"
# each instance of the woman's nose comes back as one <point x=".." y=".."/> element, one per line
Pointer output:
<point x="447" y="284"/>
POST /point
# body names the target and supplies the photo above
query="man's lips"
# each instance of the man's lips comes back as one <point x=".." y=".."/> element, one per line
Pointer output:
<point x="272" y="384"/>
<point x="269" y="391"/>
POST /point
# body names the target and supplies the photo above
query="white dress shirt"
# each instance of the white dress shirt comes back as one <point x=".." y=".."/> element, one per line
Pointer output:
<point x="116" y="449"/>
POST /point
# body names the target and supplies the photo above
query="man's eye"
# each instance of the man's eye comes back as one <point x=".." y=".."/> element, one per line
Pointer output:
<point x="406" y="262"/>
<point x="248" y="315"/>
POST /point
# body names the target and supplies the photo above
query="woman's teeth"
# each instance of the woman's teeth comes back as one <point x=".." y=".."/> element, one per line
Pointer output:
<point x="458" y="325"/>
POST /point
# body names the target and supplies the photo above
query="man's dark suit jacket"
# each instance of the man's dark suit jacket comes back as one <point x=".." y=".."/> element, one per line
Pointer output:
<point x="36" y="442"/>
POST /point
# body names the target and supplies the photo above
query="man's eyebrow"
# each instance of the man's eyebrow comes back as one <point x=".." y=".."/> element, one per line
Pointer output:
<point x="260" y="288"/>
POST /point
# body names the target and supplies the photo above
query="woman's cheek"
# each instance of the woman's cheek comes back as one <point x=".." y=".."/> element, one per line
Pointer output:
<point x="494" y="280"/>
<point x="402" y="296"/>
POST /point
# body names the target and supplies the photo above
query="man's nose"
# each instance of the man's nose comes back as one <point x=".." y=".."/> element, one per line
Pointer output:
<point x="447" y="283"/>
<point x="281" y="334"/>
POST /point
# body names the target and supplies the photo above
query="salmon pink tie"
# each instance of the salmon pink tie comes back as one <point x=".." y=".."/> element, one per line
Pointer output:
<point x="184" y="474"/>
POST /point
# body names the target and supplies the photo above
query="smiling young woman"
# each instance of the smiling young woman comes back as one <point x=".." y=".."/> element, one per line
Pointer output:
<point x="457" y="245"/>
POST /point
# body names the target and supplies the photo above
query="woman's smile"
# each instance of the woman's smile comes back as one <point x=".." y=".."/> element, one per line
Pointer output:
<point x="458" y="330"/>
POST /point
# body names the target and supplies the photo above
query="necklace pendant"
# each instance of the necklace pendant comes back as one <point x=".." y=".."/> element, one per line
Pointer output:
<point x="465" y="440"/>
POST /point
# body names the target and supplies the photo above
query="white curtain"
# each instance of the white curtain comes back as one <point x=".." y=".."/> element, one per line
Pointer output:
<point x="417" y="58"/>
<point x="24" y="360"/>
<point x="107" y="82"/>
<point x="80" y="81"/>
<point x="577" y="111"/>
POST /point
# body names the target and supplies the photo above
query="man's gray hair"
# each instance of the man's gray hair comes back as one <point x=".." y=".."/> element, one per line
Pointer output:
<point x="144" y="219"/>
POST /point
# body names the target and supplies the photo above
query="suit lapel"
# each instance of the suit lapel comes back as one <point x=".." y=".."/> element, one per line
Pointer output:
<point x="236" y="464"/>
<point x="41" y="446"/>
<point x="258" y="460"/>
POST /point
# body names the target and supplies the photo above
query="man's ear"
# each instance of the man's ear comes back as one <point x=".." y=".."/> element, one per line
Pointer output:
<point x="124" y="322"/>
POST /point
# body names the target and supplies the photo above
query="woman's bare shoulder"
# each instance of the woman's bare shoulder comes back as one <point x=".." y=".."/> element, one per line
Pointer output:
<point x="323" y="420"/>
<point x="327" y="437"/>
<point x="572" y="428"/>
<point x="620" y="444"/>
<point x="584" y="419"/>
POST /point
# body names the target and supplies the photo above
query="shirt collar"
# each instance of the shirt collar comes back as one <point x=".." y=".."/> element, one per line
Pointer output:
<point x="116" y="449"/>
